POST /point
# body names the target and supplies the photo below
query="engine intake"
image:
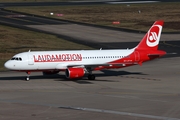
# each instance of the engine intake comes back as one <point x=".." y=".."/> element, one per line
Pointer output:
<point x="73" y="73"/>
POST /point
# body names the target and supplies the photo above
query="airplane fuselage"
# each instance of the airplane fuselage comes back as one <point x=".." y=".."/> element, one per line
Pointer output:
<point x="77" y="63"/>
<point x="50" y="60"/>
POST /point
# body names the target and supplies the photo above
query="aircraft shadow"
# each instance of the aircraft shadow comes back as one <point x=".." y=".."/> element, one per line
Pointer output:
<point x="107" y="73"/>
<point x="117" y="73"/>
<point x="33" y="77"/>
<point x="84" y="80"/>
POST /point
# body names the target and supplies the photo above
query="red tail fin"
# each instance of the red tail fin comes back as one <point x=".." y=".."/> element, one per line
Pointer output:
<point x="152" y="37"/>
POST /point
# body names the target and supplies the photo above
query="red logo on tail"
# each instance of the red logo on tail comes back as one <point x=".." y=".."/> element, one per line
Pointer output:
<point x="153" y="37"/>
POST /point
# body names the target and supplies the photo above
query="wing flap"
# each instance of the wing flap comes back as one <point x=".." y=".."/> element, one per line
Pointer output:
<point x="96" y="65"/>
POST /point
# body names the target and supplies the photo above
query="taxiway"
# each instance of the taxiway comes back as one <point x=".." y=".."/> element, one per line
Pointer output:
<point x="147" y="92"/>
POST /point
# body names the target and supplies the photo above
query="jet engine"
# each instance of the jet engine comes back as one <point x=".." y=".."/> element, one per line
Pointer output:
<point x="73" y="73"/>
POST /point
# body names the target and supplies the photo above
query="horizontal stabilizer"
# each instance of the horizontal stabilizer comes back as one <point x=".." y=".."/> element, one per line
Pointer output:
<point x="153" y="56"/>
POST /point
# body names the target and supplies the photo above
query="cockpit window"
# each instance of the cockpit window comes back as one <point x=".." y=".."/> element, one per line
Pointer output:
<point x="13" y="58"/>
<point x="17" y="58"/>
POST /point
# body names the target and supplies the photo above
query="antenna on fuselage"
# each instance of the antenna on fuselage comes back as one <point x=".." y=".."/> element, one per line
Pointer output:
<point x="29" y="51"/>
<point x="100" y="49"/>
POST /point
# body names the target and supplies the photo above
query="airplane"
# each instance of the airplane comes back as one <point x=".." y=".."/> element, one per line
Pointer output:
<point x="77" y="63"/>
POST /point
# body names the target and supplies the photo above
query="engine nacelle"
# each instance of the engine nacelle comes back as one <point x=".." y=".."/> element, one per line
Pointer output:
<point x="73" y="73"/>
<point x="50" y="72"/>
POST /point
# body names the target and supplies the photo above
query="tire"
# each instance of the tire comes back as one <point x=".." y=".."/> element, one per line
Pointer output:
<point x="91" y="77"/>
<point x="27" y="79"/>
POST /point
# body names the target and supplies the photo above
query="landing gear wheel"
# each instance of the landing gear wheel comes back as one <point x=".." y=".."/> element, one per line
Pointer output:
<point x="27" y="78"/>
<point x="91" y="77"/>
<point x="28" y="74"/>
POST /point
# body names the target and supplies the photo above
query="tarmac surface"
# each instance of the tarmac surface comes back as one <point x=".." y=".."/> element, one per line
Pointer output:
<point x="149" y="92"/>
<point x="84" y="2"/>
<point x="94" y="36"/>
<point x="107" y="38"/>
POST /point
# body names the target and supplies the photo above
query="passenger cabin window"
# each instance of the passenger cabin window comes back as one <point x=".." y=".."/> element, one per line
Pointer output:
<point x="97" y="57"/>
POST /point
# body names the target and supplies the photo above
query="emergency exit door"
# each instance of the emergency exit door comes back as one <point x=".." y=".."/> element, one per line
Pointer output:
<point x="137" y="56"/>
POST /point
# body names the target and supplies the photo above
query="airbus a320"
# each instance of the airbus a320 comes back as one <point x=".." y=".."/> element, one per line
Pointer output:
<point x="77" y="63"/>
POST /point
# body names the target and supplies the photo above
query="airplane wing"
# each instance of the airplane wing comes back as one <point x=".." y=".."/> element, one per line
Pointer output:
<point x="97" y="65"/>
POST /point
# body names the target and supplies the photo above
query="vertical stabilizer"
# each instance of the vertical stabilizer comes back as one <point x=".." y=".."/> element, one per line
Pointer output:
<point x="152" y="37"/>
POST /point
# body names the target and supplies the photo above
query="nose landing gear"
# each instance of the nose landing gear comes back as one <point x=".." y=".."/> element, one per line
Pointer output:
<point x="28" y="74"/>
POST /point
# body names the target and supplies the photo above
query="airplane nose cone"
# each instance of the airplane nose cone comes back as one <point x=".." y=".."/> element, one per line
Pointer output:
<point x="8" y="65"/>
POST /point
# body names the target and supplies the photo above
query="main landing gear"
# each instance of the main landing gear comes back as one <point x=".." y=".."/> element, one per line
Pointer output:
<point x="91" y="77"/>
<point x="28" y="74"/>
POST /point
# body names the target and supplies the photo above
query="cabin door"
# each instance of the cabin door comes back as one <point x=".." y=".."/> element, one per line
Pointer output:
<point x="30" y="59"/>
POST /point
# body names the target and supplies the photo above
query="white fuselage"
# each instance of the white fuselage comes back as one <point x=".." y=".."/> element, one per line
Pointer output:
<point x="50" y="60"/>
<point x="77" y="63"/>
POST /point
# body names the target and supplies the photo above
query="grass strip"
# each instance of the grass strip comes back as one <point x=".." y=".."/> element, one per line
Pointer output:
<point x="130" y="16"/>
<point x="14" y="40"/>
